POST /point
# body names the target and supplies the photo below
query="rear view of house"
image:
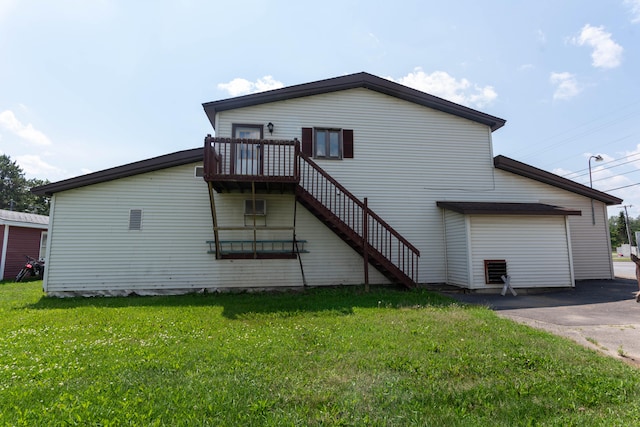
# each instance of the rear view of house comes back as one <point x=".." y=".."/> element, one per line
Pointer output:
<point x="342" y="181"/>
<point x="23" y="234"/>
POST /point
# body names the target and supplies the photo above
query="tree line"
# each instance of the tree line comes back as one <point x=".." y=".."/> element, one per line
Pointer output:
<point x="15" y="189"/>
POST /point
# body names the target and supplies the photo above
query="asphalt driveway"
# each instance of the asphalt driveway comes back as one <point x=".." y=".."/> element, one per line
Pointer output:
<point x="599" y="314"/>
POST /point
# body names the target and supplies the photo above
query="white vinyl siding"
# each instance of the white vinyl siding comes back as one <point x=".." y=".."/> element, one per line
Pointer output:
<point x="402" y="151"/>
<point x="92" y="249"/>
<point x="590" y="244"/>
<point x="416" y="155"/>
<point x="457" y="248"/>
<point x="535" y="248"/>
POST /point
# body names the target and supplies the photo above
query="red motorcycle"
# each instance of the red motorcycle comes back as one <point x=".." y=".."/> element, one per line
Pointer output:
<point x="33" y="267"/>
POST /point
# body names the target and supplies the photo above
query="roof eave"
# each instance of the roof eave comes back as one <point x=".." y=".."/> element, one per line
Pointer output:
<point x="528" y="171"/>
<point x="149" y="165"/>
<point x="501" y="208"/>
<point x="351" y="81"/>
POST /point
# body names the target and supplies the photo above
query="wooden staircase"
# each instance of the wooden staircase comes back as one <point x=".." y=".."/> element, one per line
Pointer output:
<point x="343" y="213"/>
<point x="351" y="219"/>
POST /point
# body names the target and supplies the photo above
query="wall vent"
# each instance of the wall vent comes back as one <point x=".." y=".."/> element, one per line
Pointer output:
<point x="260" y="207"/>
<point x="135" y="219"/>
<point x="494" y="269"/>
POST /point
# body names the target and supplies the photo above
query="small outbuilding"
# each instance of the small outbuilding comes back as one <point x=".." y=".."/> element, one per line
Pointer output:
<point x="23" y="234"/>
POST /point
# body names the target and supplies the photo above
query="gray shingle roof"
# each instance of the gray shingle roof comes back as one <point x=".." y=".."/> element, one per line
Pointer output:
<point x="28" y="218"/>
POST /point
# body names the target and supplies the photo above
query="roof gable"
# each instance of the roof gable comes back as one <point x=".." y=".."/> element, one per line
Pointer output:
<point x="352" y="81"/>
<point x="528" y="171"/>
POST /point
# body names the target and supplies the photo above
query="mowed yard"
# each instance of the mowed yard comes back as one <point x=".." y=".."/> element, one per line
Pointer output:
<point x="319" y="357"/>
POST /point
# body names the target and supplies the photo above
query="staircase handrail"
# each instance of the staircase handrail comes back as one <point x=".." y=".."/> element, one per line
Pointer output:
<point x="355" y="200"/>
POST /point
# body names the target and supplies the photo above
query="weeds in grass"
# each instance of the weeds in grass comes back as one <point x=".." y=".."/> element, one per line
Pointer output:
<point x="621" y="352"/>
<point x="322" y="357"/>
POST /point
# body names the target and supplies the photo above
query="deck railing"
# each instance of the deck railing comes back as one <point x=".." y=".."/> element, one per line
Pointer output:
<point x="245" y="158"/>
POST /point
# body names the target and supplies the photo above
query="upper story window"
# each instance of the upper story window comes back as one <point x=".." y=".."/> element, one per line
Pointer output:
<point x="328" y="144"/>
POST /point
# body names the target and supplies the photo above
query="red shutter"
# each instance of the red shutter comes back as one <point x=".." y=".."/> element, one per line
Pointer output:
<point x="347" y="143"/>
<point x="307" y="141"/>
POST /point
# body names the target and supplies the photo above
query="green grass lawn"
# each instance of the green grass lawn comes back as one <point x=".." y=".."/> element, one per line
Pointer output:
<point x="321" y="357"/>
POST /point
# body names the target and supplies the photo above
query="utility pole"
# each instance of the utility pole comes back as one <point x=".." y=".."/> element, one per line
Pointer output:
<point x="626" y="216"/>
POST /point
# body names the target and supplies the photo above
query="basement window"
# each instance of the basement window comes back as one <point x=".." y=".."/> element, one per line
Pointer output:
<point x="494" y="269"/>
<point x="135" y="219"/>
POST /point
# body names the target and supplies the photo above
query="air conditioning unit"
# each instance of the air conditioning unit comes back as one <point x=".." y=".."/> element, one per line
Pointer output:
<point x="260" y="207"/>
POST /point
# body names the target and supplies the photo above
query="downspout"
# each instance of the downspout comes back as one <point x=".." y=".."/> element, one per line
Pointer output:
<point x="446" y="246"/>
<point x="467" y="225"/>
<point x="570" y="252"/>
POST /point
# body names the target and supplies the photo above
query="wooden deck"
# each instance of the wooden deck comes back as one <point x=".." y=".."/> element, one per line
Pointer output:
<point x="246" y="165"/>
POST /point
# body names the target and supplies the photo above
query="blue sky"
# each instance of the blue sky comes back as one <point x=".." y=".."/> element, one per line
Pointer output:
<point x="88" y="85"/>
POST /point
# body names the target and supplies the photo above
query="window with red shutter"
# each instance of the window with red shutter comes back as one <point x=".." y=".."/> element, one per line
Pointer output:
<point x="327" y="143"/>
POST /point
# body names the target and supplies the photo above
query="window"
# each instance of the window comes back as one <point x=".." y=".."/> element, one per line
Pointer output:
<point x="328" y="144"/>
<point x="135" y="219"/>
<point x="199" y="172"/>
<point x="494" y="269"/>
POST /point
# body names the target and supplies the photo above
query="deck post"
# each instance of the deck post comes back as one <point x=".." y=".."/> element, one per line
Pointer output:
<point x="296" y="159"/>
<point x="365" y="243"/>
<point x="255" y="231"/>
<point x="216" y="235"/>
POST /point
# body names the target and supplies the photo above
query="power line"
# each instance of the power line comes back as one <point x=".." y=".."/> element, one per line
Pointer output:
<point x="603" y="168"/>
<point x="620" y="188"/>
<point x="619" y="174"/>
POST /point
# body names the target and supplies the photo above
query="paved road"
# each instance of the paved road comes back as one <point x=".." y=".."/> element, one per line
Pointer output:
<point x="599" y="314"/>
<point x="625" y="270"/>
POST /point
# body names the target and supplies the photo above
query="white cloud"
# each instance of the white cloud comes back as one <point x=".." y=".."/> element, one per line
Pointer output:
<point x="33" y="165"/>
<point x="240" y="86"/>
<point x="566" y="85"/>
<point x="10" y="122"/>
<point x="606" y="53"/>
<point x="541" y="36"/>
<point x="562" y="172"/>
<point x="440" y="83"/>
<point x="634" y="7"/>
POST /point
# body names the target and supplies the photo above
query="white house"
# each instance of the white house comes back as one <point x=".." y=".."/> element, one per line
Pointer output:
<point x="279" y="199"/>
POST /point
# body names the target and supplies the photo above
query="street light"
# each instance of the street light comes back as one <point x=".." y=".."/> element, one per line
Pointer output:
<point x="598" y="158"/>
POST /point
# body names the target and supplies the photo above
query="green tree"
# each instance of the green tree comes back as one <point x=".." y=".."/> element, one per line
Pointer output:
<point x="15" y="189"/>
<point x="613" y="232"/>
<point x="37" y="204"/>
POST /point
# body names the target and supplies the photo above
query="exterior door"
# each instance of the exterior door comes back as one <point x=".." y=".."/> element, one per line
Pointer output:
<point x="248" y="154"/>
